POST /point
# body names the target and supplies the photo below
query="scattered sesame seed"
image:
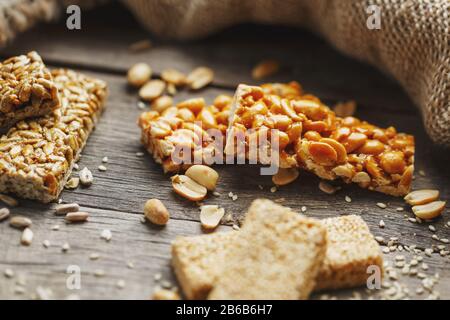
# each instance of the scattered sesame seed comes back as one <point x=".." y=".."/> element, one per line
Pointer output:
<point x="413" y="220"/>
<point x="273" y="189"/>
<point x="432" y="228"/>
<point x="235" y="197"/>
<point x="435" y="237"/>
<point x="424" y="266"/>
<point x="399" y="209"/>
<point x="120" y="284"/>
<point x="386" y="250"/>
<point x="141" y="105"/>
<point x="260" y="187"/>
<point x="381" y="224"/>
<point x="445" y="240"/>
<point x="157" y="276"/>
<point x="65" y="247"/>
<point x="422" y="173"/>
<point x="46" y="243"/>
<point x="55" y="227"/>
<point x="303" y="209"/>
<point x="102" y="168"/>
<point x="106" y="235"/>
<point x="9" y="273"/>
<point x="379" y="239"/>
<point x="130" y="265"/>
<point x="139" y="154"/>
<point x="99" y="273"/>
<point x="348" y="199"/>
<point x="236" y="227"/>
<point x="94" y="256"/>
<point x="216" y="194"/>
<point x="105" y="160"/>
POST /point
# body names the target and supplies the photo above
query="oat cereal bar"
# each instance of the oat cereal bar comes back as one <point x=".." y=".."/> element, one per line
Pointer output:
<point x="351" y="249"/>
<point x="312" y="137"/>
<point x="276" y="255"/>
<point x="26" y="89"/>
<point x="37" y="155"/>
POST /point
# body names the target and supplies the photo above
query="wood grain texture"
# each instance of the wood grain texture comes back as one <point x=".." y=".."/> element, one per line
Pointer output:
<point x="116" y="198"/>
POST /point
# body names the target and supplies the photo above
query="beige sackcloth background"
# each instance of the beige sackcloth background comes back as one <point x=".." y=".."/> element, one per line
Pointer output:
<point x="412" y="44"/>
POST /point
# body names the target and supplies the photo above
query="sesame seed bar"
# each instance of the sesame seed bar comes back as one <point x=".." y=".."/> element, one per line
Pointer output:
<point x="275" y="256"/>
<point x="37" y="155"/>
<point x="26" y="90"/>
<point x="351" y="249"/>
<point x="312" y="137"/>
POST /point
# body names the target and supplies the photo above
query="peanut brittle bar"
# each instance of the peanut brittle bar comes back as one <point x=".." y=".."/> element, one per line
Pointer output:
<point x="188" y="121"/>
<point x="37" y="155"/>
<point x="351" y="249"/>
<point x="312" y="137"/>
<point x="185" y="125"/>
<point x="26" y="90"/>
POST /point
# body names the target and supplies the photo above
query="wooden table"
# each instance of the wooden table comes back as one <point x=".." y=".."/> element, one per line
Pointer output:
<point x="116" y="198"/>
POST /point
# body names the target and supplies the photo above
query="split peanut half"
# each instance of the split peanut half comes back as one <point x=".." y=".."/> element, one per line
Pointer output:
<point x="430" y="210"/>
<point x="420" y="197"/>
<point x="210" y="216"/>
<point x="203" y="175"/>
<point x="285" y="176"/>
<point x="188" y="188"/>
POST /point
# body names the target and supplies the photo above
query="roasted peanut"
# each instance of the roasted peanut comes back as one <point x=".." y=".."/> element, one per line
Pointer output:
<point x="204" y="175"/>
<point x="210" y="216"/>
<point x="162" y="103"/>
<point x="354" y="141"/>
<point x="420" y="197"/>
<point x="188" y="188"/>
<point x="393" y="162"/>
<point x="322" y="153"/>
<point x="285" y="176"/>
<point x="139" y="74"/>
<point x="152" y="90"/>
<point x="195" y="104"/>
<point x="156" y="212"/>
<point x="373" y="147"/>
<point x="430" y="210"/>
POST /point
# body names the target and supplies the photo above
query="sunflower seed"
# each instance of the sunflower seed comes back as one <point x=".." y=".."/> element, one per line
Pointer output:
<point x="4" y="214"/>
<point x="66" y="208"/>
<point x="27" y="237"/>
<point x="78" y="216"/>
<point x="20" y="222"/>
<point x="10" y="201"/>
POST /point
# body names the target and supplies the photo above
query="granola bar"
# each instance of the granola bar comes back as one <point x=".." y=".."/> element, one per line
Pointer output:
<point x="312" y="137"/>
<point x="37" y="155"/>
<point x="26" y="89"/>
<point x="351" y="249"/>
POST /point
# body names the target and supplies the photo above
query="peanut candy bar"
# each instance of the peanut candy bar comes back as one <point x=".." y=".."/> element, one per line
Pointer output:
<point x="37" y="155"/>
<point x="184" y="126"/>
<point x="312" y="137"/>
<point x="188" y="121"/>
<point x="26" y="89"/>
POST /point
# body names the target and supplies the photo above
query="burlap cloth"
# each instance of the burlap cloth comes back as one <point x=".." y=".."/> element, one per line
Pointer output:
<point x="412" y="44"/>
